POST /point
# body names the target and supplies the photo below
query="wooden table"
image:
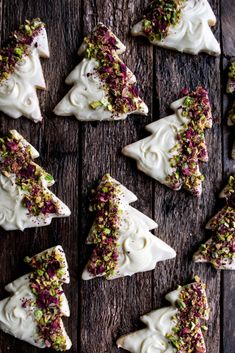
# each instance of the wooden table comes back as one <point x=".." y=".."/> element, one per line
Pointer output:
<point x="77" y="154"/>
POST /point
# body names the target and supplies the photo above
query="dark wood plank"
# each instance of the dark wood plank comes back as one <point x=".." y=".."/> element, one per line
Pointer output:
<point x="182" y="218"/>
<point x="57" y="140"/>
<point x="110" y="309"/>
<point x="227" y="25"/>
<point x="228" y="278"/>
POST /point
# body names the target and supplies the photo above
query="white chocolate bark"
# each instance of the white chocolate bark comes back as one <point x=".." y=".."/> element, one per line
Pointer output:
<point x="138" y="249"/>
<point x="13" y="215"/>
<point x="162" y="155"/>
<point x="153" y="153"/>
<point x="193" y="33"/>
<point x="18" y="93"/>
<point x="19" y="321"/>
<point x="159" y="323"/>
<point x="226" y="263"/>
<point x="88" y="88"/>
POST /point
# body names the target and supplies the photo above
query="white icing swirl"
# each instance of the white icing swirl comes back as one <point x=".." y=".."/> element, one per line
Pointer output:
<point x="87" y="89"/>
<point x="146" y="341"/>
<point x="153" y="153"/>
<point x="17" y="320"/>
<point x="192" y="34"/>
<point x="12" y="214"/>
<point x="156" y="344"/>
<point x="161" y="319"/>
<point x="18" y="94"/>
<point x="138" y="249"/>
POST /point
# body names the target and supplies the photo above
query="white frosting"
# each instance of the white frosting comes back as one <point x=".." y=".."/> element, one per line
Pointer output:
<point x="19" y="321"/>
<point x="152" y="339"/>
<point x="88" y="88"/>
<point x="153" y="153"/>
<point x="12" y="214"/>
<point x="16" y="320"/>
<point x="145" y="341"/>
<point x="159" y="322"/>
<point x="138" y="249"/>
<point x="18" y="93"/>
<point x="193" y="33"/>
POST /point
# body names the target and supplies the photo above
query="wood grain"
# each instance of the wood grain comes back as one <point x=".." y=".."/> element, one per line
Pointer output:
<point x="228" y="278"/>
<point x="78" y="154"/>
<point x="112" y="313"/>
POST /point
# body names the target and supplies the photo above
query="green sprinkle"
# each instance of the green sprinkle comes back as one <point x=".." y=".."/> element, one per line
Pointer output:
<point x="96" y="104"/>
<point x="38" y="314"/>
<point x="181" y="304"/>
<point x="49" y="178"/>
<point x="40" y="272"/>
<point x="107" y="231"/>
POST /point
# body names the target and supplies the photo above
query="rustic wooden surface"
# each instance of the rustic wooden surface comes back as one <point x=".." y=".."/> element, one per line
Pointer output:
<point x="78" y="154"/>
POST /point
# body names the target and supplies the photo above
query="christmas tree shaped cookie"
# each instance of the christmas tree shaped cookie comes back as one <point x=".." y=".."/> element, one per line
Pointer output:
<point x="231" y="90"/>
<point x="120" y="234"/>
<point x="219" y="250"/>
<point x="25" y="200"/>
<point x="173" y="329"/>
<point x="33" y="313"/>
<point x="21" y="71"/>
<point x="183" y="25"/>
<point x="172" y="153"/>
<point x="103" y="87"/>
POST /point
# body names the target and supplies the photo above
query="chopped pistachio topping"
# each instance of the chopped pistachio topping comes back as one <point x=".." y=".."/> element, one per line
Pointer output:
<point x="17" y="46"/>
<point x="192" y="306"/>
<point x="231" y="114"/>
<point x="160" y="15"/>
<point x="105" y="202"/>
<point x="231" y="78"/>
<point x="230" y="188"/>
<point x="191" y="146"/>
<point x="122" y="96"/>
<point x="46" y="280"/>
<point x="221" y="250"/>
<point x="16" y="163"/>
